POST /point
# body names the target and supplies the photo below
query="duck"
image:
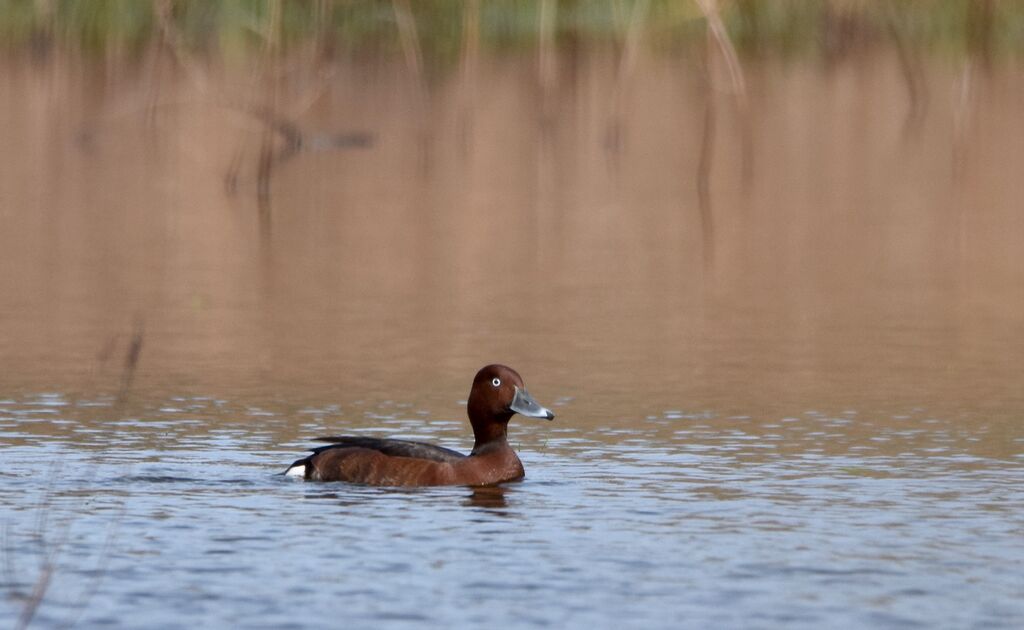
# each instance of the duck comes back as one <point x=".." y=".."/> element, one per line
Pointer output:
<point x="497" y="394"/>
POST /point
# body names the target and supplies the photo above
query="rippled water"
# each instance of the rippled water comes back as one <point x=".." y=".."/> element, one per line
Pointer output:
<point x="174" y="517"/>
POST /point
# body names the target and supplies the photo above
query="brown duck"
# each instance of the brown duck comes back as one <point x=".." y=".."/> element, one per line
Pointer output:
<point x="498" y="393"/>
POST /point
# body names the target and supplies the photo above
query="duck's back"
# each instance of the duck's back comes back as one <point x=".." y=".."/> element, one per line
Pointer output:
<point x="390" y="446"/>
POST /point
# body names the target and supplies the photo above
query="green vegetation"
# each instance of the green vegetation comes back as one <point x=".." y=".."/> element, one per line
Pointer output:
<point x="234" y="29"/>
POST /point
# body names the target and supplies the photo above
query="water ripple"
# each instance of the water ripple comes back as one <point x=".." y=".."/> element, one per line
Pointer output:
<point x="718" y="521"/>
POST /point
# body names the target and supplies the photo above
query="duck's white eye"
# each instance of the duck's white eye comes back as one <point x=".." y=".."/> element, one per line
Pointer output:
<point x="496" y="382"/>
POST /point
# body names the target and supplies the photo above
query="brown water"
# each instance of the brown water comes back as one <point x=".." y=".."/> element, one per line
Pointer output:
<point x="791" y="398"/>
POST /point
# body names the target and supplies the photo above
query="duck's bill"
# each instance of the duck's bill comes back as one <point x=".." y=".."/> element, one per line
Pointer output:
<point x="525" y="405"/>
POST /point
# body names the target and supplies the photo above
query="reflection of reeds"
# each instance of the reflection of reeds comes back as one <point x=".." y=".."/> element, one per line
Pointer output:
<point x="409" y="37"/>
<point x="627" y="66"/>
<point x="259" y="102"/>
<point x="963" y="106"/>
<point x="547" y="69"/>
<point x="470" y="63"/>
<point x="50" y="536"/>
<point x="737" y="83"/>
<point x="50" y="539"/>
<point x="48" y="553"/>
<point x="978" y="32"/>
<point x="707" y="149"/>
<point x="172" y="40"/>
<point x="913" y="76"/>
<point x="718" y="39"/>
<point x="131" y="360"/>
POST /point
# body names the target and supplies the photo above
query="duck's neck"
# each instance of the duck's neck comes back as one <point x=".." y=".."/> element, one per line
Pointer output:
<point x="490" y="433"/>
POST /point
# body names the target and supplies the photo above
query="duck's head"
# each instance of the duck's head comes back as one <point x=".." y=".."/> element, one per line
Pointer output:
<point x="498" y="393"/>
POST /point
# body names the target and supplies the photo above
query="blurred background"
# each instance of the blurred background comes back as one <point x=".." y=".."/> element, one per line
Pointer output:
<point x="763" y="259"/>
<point x="732" y="204"/>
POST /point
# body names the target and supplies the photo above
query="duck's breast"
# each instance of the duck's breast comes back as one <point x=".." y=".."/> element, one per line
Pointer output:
<point x="488" y="468"/>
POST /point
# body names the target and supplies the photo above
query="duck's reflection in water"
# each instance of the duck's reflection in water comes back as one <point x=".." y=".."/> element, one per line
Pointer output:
<point x="489" y="498"/>
<point x="494" y="499"/>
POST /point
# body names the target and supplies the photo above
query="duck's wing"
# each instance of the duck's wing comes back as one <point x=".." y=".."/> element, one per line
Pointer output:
<point x="397" y="448"/>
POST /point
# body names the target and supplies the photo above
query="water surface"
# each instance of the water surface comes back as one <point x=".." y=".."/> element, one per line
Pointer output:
<point x="174" y="518"/>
